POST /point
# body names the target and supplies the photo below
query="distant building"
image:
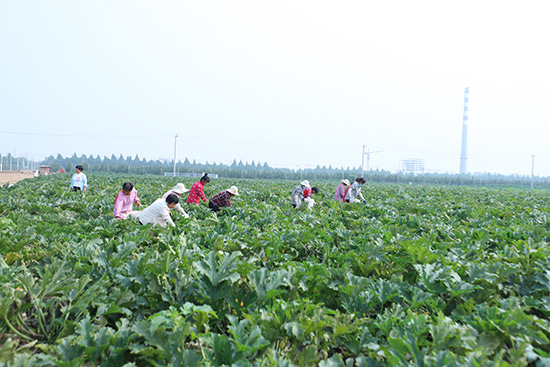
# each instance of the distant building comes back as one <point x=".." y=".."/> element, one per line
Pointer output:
<point x="412" y="165"/>
<point x="45" y="170"/>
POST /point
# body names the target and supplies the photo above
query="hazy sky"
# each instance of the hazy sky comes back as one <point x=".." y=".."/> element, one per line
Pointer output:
<point x="294" y="83"/>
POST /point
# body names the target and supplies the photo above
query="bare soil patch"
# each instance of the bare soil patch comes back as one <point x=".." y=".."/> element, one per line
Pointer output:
<point x="11" y="177"/>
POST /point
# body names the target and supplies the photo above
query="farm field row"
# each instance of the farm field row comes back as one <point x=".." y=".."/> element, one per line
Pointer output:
<point x="420" y="275"/>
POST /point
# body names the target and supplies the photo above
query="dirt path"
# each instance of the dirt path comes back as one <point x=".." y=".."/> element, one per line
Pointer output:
<point x="12" y="177"/>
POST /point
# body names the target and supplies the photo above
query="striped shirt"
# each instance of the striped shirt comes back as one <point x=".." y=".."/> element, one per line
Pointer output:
<point x="221" y="200"/>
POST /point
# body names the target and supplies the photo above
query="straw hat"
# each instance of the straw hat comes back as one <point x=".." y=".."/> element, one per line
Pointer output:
<point x="345" y="182"/>
<point x="233" y="190"/>
<point x="305" y="183"/>
<point x="179" y="188"/>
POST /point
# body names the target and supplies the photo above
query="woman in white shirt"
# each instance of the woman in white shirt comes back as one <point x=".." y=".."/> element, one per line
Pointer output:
<point x="159" y="211"/>
<point x="354" y="191"/>
<point x="177" y="190"/>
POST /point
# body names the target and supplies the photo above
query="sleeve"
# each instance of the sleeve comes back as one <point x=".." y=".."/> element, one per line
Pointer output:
<point x="84" y="181"/>
<point x="117" y="207"/>
<point x="169" y="219"/>
<point x="180" y="209"/>
<point x="354" y="193"/>
<point x="72" y="181"/>
<point x="136" y="199"/>
<point x="201" y="195"/>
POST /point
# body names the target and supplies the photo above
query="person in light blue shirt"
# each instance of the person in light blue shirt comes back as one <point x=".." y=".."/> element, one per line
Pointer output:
<point x="79" y="182"/>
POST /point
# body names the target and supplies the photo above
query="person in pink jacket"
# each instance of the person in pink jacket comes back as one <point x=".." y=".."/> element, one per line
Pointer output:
<point x="341" y="190"/>
<point x="124" y="201"/>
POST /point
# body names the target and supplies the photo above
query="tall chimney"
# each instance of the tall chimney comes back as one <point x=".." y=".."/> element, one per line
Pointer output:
<point x="464" y="150"/>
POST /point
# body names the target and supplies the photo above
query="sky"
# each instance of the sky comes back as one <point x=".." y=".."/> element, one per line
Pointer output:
<point x="295" y="84"/>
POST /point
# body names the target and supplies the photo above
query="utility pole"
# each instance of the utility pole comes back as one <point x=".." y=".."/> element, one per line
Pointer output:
<point x="532" y="170"/>
<point x="175" y="140"/>
<point x="362" y="160"/>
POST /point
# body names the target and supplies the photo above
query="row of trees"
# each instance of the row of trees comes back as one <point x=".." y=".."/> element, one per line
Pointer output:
<point x="10" y="162"/>
<point x="159" y="167"/>
<point x="258" y="170"/>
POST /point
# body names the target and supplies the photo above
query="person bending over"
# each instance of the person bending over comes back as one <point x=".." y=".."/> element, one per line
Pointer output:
<point x="159" y="211"/>
<point x="196" y="194"/>
<point x="302" y="193"/>
<point x="223" y="199"/>
<point x="124" y="202"/>
<point x="177" y="190"/>
<point x="353" y="192"/>
<point x="341" y="190"/>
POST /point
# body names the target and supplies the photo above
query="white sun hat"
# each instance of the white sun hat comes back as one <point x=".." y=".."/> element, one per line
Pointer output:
<point x="233" y="190"/>
<point x="305" y="183"/>
<point x="179" y="188"/>
<point x="345" y="181"/>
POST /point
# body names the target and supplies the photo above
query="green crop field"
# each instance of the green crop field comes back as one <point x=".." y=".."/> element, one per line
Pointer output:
<point x="419" y="276"/>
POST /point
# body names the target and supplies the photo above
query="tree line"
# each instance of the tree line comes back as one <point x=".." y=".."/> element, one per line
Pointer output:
<point x="253" y="170"/>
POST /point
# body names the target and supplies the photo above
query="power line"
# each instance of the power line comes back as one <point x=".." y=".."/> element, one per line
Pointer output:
<point x="84" y="136"/>
<point x="183" y="137"/>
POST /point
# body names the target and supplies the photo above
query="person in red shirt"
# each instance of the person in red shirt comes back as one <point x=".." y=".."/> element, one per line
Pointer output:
<point x="196" y="194"/>
<point x="303" y="192"/>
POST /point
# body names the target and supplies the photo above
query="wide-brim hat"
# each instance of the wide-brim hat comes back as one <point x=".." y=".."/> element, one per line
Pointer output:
<point x="345" y="181"/>
<point x="179" y="188"/>
<point x="233" y="190"/>
<point x="305" y="183"/>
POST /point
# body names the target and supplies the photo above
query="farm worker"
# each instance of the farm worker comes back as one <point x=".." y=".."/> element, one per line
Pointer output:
<point x="341" y="190"/>
<point x="124" y="202"/>
<point x="303" y="192"/>
<point x="223" y="199"/>
<point x="354" y="191"/>
<point x="159" y="211"/>
<point x="196" y="194"/>
<point x="79" y="181"/>
<point x="177" y="190"/>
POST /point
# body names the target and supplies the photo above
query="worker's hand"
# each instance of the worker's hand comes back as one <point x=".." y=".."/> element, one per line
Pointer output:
<point x="186" y="216"/>
<point x="138" y="204"/>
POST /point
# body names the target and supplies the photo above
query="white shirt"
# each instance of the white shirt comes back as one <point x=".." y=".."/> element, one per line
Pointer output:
<point x="354" y="191"/>
<point x="157" y="213"/>
<point x="178" y="206"/>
